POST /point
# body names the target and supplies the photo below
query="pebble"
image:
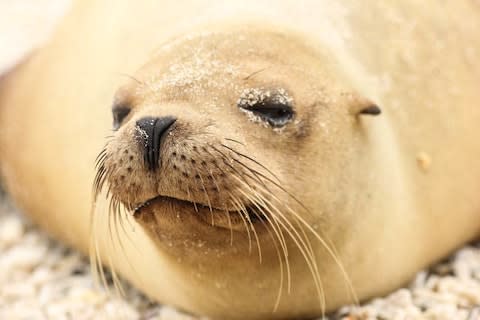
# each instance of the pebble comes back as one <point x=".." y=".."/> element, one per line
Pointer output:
<point x="11" y="230"/>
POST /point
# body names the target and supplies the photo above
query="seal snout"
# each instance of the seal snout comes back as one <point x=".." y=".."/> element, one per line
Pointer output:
<point x="152" y="130"/>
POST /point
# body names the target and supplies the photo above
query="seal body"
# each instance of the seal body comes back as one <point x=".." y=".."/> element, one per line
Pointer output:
<point x="251" y="183"/>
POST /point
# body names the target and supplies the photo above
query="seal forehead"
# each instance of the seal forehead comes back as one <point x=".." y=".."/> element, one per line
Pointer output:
<point x="196" y="63"/>
<point x="190" y="76"/>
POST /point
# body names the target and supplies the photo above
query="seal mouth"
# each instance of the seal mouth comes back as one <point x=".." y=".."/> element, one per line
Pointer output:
<point x="215" y="217"/>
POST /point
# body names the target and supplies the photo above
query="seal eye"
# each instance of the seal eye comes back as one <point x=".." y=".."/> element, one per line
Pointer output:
<point x="276" y="115"/>
<point x="120" y="112"/>
<point x="273" y="107"/>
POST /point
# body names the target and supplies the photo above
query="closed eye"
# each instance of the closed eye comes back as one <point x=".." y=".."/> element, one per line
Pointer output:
<point x="273" y="107"/>
<point x="275" y="114"/>
<point x="120" y="112"/>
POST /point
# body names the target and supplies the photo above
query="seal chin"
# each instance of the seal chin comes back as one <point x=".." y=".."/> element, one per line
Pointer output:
<point x="207" y="215"/>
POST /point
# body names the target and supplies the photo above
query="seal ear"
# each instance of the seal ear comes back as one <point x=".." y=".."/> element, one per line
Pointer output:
<point x="362" y="106"/>
<point x="372" y="110"/>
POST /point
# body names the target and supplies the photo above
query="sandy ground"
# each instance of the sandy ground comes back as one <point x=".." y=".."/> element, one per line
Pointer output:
<point x="41" y="278"/>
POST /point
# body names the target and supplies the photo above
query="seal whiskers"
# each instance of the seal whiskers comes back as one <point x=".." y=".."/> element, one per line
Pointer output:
<point x="298" y="240"/>
<point x="227" y="213"/>
<point x="301" y="244"/>
<point x="278" y="237"/>
<point x="243" y="213"/>
<point x="247" y="227"/>
<point x="206" y="196"/>
<point x="265" y="220"/>
<point x="279" y="214"/>
<point x="94" y="249"/>
<point x="296" y="216"/>
<point x="115" y="220"/>
<point x="285" y="224"/>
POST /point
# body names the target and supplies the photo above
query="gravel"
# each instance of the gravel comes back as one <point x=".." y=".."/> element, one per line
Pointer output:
<point x="43" y="279"/>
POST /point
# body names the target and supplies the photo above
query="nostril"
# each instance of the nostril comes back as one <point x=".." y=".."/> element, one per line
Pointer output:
<point x="152" y="131"/>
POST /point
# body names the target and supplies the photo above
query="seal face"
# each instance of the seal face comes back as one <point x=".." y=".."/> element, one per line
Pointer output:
<point x="203" y="132"/>
<point x="214" y="140"/>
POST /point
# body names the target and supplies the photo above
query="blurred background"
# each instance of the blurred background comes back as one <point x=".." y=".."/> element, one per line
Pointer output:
<point x="24" y="25"/>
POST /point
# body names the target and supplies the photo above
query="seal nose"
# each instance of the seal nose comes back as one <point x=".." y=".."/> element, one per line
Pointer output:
<point x="152" y="131"/>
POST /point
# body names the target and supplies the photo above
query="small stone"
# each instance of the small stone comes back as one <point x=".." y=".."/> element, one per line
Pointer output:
<point x="11" y="230"/>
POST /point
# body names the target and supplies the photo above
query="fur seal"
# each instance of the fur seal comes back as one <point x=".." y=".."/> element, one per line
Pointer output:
<point x="249" y="174"/>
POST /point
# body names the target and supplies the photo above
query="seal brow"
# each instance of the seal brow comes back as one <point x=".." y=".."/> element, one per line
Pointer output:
<point x="253" y="74"/>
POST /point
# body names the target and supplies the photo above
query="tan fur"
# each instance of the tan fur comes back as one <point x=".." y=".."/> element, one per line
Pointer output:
<point x="371" y="199"/>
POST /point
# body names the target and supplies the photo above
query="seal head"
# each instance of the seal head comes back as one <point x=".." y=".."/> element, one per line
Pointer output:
<point x="220" y="142"/>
